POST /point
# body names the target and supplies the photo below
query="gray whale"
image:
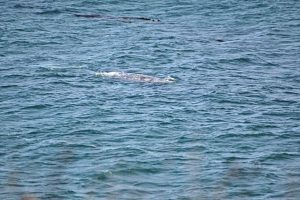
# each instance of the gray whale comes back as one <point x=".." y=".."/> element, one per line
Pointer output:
<point x="135" y="77"/>
<point x="125" y="18"/>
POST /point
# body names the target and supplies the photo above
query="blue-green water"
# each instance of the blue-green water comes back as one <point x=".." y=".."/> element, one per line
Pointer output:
<point x="227" y="128"/>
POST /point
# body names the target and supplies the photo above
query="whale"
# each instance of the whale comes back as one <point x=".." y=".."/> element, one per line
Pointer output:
<point x="135" y="77"/>
<point x="123" y="18"/>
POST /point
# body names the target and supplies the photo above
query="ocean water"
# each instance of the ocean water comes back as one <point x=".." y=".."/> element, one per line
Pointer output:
<point x="228" y="127"/>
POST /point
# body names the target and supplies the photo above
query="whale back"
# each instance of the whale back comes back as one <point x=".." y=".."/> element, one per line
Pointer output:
<point x="135" y="77"/>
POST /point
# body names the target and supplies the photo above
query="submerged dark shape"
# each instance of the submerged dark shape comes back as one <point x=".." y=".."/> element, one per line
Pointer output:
<point x="117" y="18"/>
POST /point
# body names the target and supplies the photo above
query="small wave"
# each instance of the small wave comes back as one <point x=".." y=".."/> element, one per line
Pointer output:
<point x="104" y="175"/>
<point x="280" y="156"/>
<point x="18" y="76"/>
<point x="37" y="107"/>
<point x="245" y="135"/>
<point x="236" y="60"/>
<point x="9" y="86"/>
<point x="124" y="169"/>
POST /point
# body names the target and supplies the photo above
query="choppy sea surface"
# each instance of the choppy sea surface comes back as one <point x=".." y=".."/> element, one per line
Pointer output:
<point x="228" y="127"/>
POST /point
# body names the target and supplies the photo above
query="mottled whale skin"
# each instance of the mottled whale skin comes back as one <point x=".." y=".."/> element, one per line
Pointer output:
<point x="135" y="77"/>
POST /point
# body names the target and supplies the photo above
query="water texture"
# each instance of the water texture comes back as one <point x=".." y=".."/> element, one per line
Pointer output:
<point x="227" y="128"/>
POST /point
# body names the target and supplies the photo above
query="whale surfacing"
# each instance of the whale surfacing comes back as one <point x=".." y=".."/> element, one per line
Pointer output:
<point x="135" y="77"/>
